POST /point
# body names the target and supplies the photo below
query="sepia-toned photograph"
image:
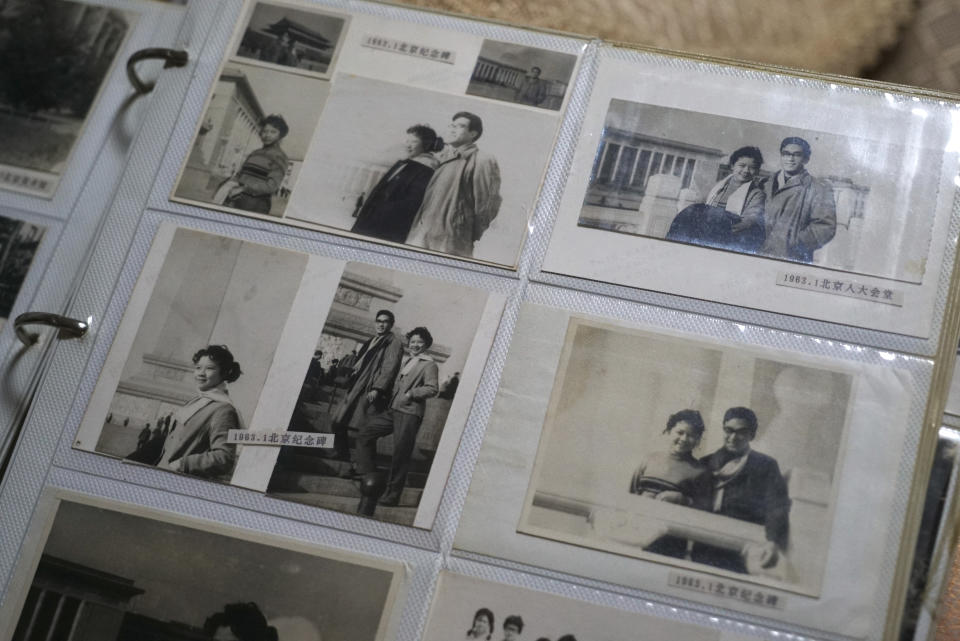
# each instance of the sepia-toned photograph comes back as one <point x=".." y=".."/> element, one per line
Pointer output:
<point x="199" y="356"/>
<point x="127" y="574"/>
<point x="473" y="609"/>
<point x="19" y="241"/>
<point x="691" y="454"/>
<point x="450" y="174"/>
<point x="56" y="56"/>
<point x="522" y="75"/>
<point x="762" y="189"/>
<point x="382" y="379"/>
<point x="251" y="142"/>
<point x="279" y="34"/>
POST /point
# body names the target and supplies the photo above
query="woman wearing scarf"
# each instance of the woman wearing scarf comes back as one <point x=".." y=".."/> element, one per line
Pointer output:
<point x="197" y="443"/>
<point x="732" y="216"/>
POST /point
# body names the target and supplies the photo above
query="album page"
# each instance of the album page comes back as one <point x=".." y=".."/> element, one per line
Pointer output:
<point x="472" y="608"/>
<point x="273" y="388"/>
<point x="46" y="107"/>
<point x="762" y="190"/>
<point x="67" y="112"/>
<point x="314" y="309"/>
<point x="389" y="131"/>
<point x="721" y="470"/>
<point x="87" y="574"/>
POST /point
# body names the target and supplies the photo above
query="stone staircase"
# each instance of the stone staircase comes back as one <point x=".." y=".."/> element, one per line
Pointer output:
<point x="311" y="477"/>
<point x="306" y="477"/>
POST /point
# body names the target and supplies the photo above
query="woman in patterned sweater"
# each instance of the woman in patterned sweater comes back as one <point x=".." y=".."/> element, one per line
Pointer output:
<point x="262" y="171"/>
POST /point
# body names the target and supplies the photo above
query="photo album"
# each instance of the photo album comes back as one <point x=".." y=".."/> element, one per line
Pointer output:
<point x="406" y="325"/>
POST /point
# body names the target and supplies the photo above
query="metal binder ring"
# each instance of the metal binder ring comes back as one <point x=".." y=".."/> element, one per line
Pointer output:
<point x="171" y="58"/>
<point x="67" y="327"/>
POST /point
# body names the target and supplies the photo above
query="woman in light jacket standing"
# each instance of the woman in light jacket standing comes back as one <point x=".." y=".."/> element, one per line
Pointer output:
<point x="417" y="381"/>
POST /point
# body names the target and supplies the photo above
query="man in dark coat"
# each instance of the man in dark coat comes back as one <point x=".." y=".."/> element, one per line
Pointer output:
<point x="374" y="371"/>
<point x="748" y="486"/>
<point x="800" y="214"/>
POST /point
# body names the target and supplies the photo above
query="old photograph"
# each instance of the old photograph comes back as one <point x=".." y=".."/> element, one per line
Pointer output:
<point x="251" y="142"/>
<point x="56" y="56"/>
<point x="474" y="609"/>
<point x="19" y="241"/>
<point x="763" y="189"/>
<point x="384" y="374"/>
<point x="110" y="574"/>
<point x="295" y="38"/>
<point x="696" y="455"/>
<point x="522" y="75"/>
<point x="450" y="174"/>
<point x="199" y="355"/>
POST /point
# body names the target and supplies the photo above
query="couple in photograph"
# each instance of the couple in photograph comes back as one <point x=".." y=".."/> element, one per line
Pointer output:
<point x="787" y="215"/>
<point x="442" y="196"/>
<point x="735" y="481"/>
<point x="387" y="396"/>
<point x="484" y="625"/>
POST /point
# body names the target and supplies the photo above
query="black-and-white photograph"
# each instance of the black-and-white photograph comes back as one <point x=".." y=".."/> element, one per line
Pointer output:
<point x="522" y="75"/>
<point x="112" y="575"/>
<point x="451" y="174"/>
<point x="763" y="189"/>
<point x="200" y="354"/>
<point x="691" y="454"/>
<point x="279" y="34"/>
<point x="383" y="378"/>
<point x="56" y="54"/>
<point x="19" y="241"/>
<point x="473" y="609"/>
<point x="250" y="146"/>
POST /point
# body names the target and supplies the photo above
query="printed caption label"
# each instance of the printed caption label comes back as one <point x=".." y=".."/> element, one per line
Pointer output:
<point x="409" y="49"/>
<point x="292" y="439"/>
<point x="842" y="287"/>
<point x="727" y="590"/>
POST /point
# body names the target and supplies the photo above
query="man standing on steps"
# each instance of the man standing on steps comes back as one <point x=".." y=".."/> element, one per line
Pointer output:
<point x="371" y="380"/>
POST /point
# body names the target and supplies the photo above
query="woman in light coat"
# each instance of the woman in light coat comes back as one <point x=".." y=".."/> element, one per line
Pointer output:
<point x="417" y="381"/>
<point x="197" y="443"/>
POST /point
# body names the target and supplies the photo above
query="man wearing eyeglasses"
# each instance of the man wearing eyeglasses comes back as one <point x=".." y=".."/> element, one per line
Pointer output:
<point x="747" y="485"/>
<point x="800" y="215"/>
